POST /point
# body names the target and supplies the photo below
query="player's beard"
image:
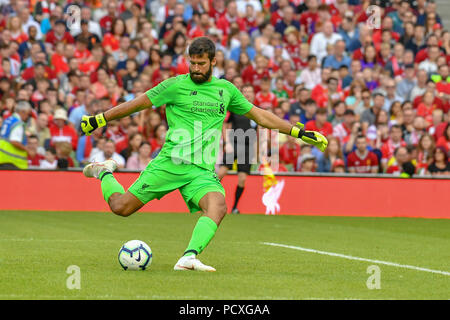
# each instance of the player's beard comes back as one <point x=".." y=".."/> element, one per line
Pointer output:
<point x="199" y="78"/>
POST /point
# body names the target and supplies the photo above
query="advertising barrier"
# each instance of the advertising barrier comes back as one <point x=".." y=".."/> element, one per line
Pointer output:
<point x="292" y="195"/>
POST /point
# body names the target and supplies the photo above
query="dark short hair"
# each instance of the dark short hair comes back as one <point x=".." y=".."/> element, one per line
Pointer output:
<point x="202" y="45"/>
<point x="166" y="53"/>
<point x="410" y="148"/>
<point x="82" y="39"/>
<point x="33" y="136"/>
<point x="71" y="73"/>
<point x="335" y="104"/>
<point x="349" y="112"/>
<point x="301" y="89"/>
<point x="310" y="101"/>
<point x="322" y="111"/>
<point x="52" y="150"/>
<point x="332" y="79"/>
<point x="134" y="61"/>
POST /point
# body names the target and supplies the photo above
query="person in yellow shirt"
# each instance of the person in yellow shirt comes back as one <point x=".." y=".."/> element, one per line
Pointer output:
<point x="13" y="140"/>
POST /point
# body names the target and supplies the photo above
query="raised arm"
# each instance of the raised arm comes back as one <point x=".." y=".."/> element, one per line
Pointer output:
<point x="125" y="109"/>
<point x="269" y="120"/>
<point x="90" y="123"/>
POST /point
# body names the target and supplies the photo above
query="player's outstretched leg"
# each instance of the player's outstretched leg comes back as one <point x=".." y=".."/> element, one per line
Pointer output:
<point x="214" y="206"/>
<point x="121" y="203"/>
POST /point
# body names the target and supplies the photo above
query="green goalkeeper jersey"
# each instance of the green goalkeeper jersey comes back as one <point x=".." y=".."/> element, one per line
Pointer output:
<point x="195" y="115"/>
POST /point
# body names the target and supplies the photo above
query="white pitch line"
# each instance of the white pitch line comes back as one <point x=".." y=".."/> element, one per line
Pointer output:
<point x="102" y="297"/>
<point x="392" y="264"/>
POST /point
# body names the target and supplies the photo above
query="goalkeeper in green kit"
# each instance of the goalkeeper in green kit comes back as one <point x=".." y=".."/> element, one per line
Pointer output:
<point x="196" y="106"/>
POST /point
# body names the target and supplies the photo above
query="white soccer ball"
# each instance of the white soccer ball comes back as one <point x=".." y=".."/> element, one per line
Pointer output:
<point x="135" y="255"/>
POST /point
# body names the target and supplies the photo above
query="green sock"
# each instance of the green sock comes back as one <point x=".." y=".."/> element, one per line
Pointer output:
<point x="110" y="185"/>
<point x="203" y="233"/>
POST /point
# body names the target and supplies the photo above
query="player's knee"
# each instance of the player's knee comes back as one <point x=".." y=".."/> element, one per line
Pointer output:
<point x="217" y="211"/>
<point x="121" y="209"/>
<point x="222" y="209"/>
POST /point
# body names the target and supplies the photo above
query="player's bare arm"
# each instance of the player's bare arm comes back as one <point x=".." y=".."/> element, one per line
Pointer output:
<point x="125" y="109"/>
<point x="90" y="123"/>
<point x="269" y="120"/>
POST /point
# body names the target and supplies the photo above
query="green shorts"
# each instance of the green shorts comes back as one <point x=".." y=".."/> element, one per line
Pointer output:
<point x="162" y="176"/>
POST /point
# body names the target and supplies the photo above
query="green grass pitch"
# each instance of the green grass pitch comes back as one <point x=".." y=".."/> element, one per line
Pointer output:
<point x="36" y="248"/>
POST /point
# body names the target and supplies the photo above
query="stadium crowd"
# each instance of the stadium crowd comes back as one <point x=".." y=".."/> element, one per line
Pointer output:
<point x="378" y="89"/>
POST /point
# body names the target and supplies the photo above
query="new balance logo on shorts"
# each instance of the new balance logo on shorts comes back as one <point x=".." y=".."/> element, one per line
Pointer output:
<point x="145" y="186"/>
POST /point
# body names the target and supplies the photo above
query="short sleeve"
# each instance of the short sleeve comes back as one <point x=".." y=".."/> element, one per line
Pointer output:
<point x="163" y="93"/>
<point x="238" y="103"/>
<point x="16" y="134"/>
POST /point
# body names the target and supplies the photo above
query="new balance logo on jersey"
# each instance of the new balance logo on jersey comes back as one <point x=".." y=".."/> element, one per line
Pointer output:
<point x="193" y="93"/>
<point x="221" y="93"/>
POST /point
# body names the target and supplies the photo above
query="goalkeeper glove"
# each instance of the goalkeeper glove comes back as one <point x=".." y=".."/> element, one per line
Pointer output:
<point x="90" y="123"/>
<point x="311" y="137"/>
